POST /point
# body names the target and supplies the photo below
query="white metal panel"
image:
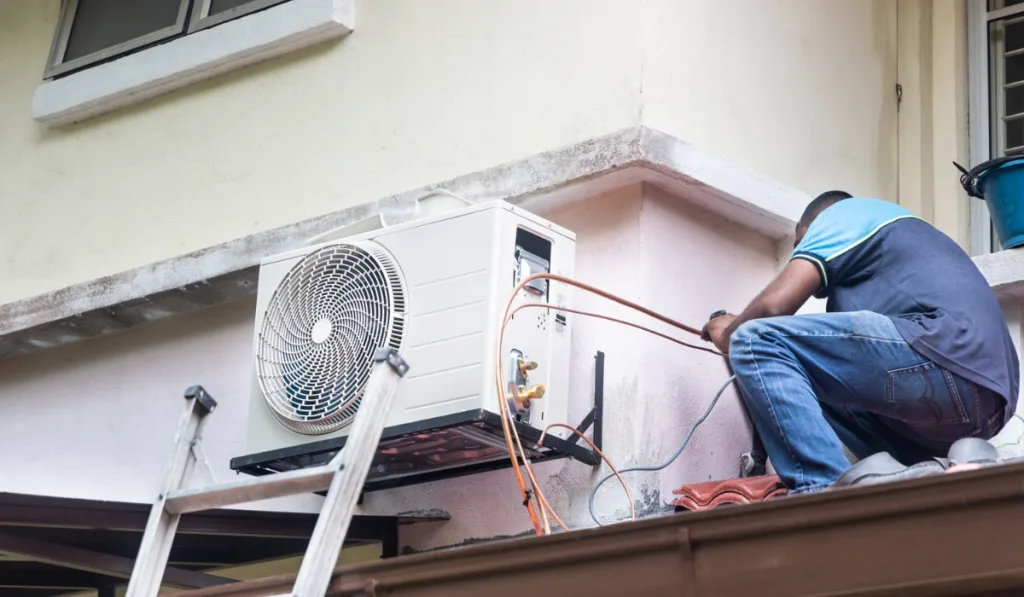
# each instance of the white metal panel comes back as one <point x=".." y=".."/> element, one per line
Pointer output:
<point x="445" y="250"/>
<point x="441" y="326"/>
<point x="445" y="295"/>
<point x="459" y="268"/>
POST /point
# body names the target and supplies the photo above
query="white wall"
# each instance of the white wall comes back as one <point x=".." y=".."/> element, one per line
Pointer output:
<point x="422" y="91"/>
<point x="95" y="419"/>
<point x="1010" y="441"/>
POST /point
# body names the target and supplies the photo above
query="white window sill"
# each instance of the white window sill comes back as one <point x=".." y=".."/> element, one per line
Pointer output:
<point x="278" y="30"/>
<point x="1004" y="271"/>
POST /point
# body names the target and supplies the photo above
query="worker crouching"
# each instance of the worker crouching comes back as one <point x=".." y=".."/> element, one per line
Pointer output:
<point x="911" y="355"/>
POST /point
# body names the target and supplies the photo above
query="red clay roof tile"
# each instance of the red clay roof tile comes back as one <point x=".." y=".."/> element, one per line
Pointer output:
<point x="711" y="494"/>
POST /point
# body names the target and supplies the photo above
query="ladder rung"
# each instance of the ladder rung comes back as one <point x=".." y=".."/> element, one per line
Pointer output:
<point x="250" y="490"/>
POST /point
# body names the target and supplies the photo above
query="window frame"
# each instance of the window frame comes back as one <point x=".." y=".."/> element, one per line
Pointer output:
<point x="200" y="18"/>
<point x="979" y="123"/>
<point x="980" y="69"/>
<point x="188" y="59"/>
<point x="55" y="64"/>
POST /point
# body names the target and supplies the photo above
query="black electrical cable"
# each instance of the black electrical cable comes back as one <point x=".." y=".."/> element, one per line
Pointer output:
<point x="686" y="440"/>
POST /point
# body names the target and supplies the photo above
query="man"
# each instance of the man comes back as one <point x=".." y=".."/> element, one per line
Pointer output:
<point x="911" y="355"/>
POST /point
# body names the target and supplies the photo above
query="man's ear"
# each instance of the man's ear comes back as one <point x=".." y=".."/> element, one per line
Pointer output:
<point x="798" y="235"/>
<point x="795" y="284"/>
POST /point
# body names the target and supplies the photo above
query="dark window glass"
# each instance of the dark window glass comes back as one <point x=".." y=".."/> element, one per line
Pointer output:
<point x="219" y="6"/>
<point x="101" y="24"/>
<point x="997" y="4"/>
<point x="1014" y="136"/>
<point x="1007" y="85"/>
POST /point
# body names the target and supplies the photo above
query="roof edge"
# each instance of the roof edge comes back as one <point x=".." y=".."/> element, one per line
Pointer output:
<point x="910" y="526"/>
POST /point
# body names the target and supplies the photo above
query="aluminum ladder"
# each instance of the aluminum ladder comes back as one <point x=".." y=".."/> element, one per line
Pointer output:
<point x="342" y="477"/>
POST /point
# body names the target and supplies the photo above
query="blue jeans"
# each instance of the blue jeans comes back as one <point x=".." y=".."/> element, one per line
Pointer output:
<point x="813" y="383"/>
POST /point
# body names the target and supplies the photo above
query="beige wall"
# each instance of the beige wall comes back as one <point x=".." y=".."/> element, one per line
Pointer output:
<point x="800" y="90"/>
<point x="420" y="92"/>
<point x="423" y="91"/>
<point x="933" y="114"/>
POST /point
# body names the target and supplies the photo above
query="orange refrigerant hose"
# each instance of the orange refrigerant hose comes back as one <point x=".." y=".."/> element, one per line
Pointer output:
<point x="629" y="495"/>
<point x="508" y="427"/>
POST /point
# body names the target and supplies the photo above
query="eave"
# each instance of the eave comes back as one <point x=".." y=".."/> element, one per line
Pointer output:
<point x="228" y="271"/>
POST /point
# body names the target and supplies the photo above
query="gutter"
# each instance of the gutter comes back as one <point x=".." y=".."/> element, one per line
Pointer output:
<point x="948" y="535"/>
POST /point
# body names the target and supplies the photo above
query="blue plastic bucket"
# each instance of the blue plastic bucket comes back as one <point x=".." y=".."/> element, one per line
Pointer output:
<point x="1000" y="183"/>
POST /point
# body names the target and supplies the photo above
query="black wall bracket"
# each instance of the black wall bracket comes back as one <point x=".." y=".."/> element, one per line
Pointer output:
<point x="596" y="415"/>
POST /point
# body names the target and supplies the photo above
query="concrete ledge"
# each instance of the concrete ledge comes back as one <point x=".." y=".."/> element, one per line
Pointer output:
<point x="1004" y="271"/>
<point x="278" y="30"/>
<point x="229" y="271"/>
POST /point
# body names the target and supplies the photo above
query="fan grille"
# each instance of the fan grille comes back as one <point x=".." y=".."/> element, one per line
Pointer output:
<point x="333" y="309"/>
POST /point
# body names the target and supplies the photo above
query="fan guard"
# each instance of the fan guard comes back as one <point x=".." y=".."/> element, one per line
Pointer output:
<point x="329" y="314"/>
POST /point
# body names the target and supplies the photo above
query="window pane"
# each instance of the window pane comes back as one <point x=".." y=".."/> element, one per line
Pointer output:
<point x="997" y="4"/>
<point x="219" y="6"/>
<point x="1014" y="137"/>
<point x="100" y="24"/>
<point x="1006" y="91"/>
<point x="222" y="11"/>
<point x="1015" y="100"/>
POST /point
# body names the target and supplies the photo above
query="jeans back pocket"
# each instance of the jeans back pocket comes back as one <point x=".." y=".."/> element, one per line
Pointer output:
<point x="925" y="395"/>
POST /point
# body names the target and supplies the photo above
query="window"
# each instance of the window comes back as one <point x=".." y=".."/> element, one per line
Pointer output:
<point x="108" y="54"/>
<point x="1006" y="77"/>
<point x="996" y="72"/>
<point x="91" y="32"/>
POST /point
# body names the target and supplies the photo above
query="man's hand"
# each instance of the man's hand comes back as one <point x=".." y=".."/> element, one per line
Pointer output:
<point x="715" y="331"/>
<point x="783" y="296"/>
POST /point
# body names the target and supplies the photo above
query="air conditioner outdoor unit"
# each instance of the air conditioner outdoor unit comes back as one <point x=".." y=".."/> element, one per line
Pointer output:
<point x="433" y="289"/>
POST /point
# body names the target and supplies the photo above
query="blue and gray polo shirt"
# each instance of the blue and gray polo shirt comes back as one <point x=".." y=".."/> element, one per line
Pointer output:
<point x="877" y="256"/>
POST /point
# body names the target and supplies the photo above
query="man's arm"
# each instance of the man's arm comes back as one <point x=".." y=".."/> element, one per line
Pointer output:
<point x="797" y="282"/>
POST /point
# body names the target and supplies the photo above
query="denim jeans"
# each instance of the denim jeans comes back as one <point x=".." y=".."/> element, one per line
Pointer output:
<point x="813" y="383"/>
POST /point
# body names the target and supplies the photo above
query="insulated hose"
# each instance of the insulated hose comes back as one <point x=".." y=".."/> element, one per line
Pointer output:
<point x="686" y="440"/>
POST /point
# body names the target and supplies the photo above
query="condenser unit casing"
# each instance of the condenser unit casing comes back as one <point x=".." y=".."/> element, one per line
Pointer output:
<point x="434" y="289"/>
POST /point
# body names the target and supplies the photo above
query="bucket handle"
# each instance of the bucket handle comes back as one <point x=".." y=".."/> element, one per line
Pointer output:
<point x="968" y="181"/>
<point x="969" y="178"/>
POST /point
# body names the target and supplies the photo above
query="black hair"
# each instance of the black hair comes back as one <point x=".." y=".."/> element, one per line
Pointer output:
<point x="820" y="204"/>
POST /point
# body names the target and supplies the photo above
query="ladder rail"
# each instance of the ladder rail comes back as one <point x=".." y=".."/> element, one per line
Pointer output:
<point x="354" y="462"/>
<point x="343" y="477"/>
<point x="155" y="548"/>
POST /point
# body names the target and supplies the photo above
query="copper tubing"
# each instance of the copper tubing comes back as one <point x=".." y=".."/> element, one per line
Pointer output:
<point x="542" y="499"/>
<point x="507" y="424"/>
<point x="629" y="495"/>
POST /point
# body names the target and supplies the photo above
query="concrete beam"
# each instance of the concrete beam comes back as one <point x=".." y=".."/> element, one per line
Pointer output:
<point x="229" y="271"/>
<point x="100" y="563"/>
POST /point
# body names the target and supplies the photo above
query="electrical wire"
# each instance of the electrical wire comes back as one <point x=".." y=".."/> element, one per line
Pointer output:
<point x="545" y="506"/>
<point x="686" y="440"/>
<point x="511" y="434"/>
<point x="1019" y="439"/>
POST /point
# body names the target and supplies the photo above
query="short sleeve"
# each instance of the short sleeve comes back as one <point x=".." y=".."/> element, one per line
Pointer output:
<point x="838" y="230"/>
<point x="818" y="244"/>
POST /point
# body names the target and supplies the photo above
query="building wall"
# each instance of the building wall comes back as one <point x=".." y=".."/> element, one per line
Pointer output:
<point x="95" y="419"/>
<point x="933" y="119"/>
<point x="800" y="90"/>
<point x="1010" y="441"/>
<point x="421" y="92"/>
